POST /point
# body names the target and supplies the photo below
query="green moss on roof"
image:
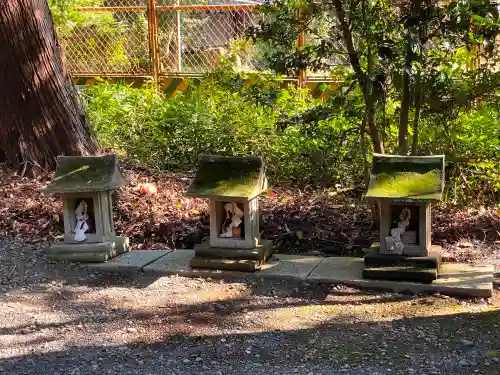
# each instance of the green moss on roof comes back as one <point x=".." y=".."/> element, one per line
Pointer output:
<point x="79" y="174"/>
<point x="406" y="177"/>
<point x="228" y="176"/>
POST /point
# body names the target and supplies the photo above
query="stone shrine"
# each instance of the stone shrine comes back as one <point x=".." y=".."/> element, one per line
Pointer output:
<point x="85" y="185"/>
<point x="233" y="185"/>
<point x="403" y="188"/>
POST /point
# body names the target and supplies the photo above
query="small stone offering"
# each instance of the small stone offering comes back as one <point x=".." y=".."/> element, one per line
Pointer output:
<point x="85" y="184"/>
<point x="233" y="185"/>
<point x="403" y="188"/>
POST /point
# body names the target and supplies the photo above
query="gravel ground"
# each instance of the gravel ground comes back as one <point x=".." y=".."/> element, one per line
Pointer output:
<point x="62" y="319"/>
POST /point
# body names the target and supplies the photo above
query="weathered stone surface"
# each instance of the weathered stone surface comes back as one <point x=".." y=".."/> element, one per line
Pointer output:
<point x="455" y="279"/>
<point x="413" y="178"/>
<point x="80" y="174"/>
<point x="122" y="244"/>
<point x="373" y="258"/>
<point x="401" y="273"/>
<point x="66" y="248"/>
<point x="173" y="263"/>
<point x="82" y="257"/>
<point x="261" y="253"/>
<point x="178" y="263"/>
<point x="243" y="265"/>
<point x="133" y="261"/>
<point x="293" y="267"/>
<point x="230" y="177"/>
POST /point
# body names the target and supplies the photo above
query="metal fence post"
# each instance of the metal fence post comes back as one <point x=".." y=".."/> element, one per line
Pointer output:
<point x="301" y="72"/>
<point x="153" y="39"/>
<point x="178" y="40"/>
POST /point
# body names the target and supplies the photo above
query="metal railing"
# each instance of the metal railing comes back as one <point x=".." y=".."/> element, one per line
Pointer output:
<point x="132" y="38"/>
<point x="161" y="38"/>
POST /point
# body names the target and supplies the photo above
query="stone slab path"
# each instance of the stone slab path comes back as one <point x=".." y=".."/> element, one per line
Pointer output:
<point x="456" y="279"/>
<point x="133" y="261"/>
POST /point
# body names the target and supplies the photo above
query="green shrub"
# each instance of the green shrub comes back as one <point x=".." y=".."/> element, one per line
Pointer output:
<point x="223" y="115"/>
<point x="227" y="118"/>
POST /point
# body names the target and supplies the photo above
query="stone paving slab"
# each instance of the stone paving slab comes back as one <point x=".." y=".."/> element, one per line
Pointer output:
<point x="178" y="263"/>
<point x="457" y="279"/>
<point x="133" y="261"/>
<point x="290" y="267"/>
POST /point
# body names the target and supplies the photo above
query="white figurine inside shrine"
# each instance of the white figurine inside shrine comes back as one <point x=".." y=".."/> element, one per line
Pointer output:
<point x="81" y="226"/>
<point x="394" y="242"/>
<point x="231" y="226"/>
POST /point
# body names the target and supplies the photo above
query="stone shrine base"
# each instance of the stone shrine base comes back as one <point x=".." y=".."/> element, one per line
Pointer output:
<point x="454" y="279"/>
<point x="89" y="252"/>
<point x="402" y="267"/>
<point x="245" y="260"/>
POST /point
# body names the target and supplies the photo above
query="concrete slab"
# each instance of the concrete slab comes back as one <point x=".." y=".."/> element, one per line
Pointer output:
<point x="289" y="267"/>
<point x="455" y="279"/>
<point x="133" y="261"/>
<point x="178" y="263"/>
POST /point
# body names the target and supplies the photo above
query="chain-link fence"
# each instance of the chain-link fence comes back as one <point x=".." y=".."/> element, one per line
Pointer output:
<point x="156" y="37"/>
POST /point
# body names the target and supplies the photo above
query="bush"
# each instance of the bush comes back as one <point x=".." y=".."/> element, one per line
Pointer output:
<point x="224" y="114"/>
<point x="228" y="118"/>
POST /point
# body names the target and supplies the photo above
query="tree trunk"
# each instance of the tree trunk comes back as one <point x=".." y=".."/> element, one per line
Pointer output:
<point x="40" y="115"/>
<point x="405" y="102"/>
<point x="363" y="79"/>
<point x="370" y="105"/>
<point x="416" y="119"/>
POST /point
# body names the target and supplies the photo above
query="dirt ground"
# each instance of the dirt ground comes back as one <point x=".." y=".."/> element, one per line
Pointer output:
<point x="310" y="221"/>
<point x="62" y="319"/>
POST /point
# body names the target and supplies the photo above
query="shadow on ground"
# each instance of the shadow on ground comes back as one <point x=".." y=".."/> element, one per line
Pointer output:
<point x="403" y="346"/>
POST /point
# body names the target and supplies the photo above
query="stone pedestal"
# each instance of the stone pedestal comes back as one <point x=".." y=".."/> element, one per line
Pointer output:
<point x="402" y="267"/>
<point x="248" y="260"/>
<point x="89" y="252"/>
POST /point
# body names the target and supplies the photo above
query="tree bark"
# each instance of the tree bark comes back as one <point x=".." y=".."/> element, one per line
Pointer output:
<point x="363" y="79"/>
<point x="405" y="102"/>
<point x="40" y="115"/>
<point x="371" y="116"/>
<point x="416" y="118"/>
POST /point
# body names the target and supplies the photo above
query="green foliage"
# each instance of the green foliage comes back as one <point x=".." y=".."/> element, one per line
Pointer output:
<point x="417" y="56"/>
<point x="67" y="19"/>
<point x="227" y="117"/>
<point x="231" y="114"/>
<point x="97" y="41"/>
<point x="472" y="139"/>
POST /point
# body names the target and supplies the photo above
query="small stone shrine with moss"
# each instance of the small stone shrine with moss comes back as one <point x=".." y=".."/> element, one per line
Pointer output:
<point x="403" y="188"/>
<point x="85" y="184"/>
<point x="233" y="185"/>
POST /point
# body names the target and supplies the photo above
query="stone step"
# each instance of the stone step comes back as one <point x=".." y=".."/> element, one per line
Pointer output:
<point x="76" y="248"/>
<point x="82" y="257"/>
<point x="374" y="259"/>
<point x="260" y="253"/>
<point x="245" y="265"/>
<point x="400" y="273"/>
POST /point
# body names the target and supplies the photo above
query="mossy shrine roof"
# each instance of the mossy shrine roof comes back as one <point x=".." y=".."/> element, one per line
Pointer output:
<point x="413" y="178"/>
<point x="228" y="177"/>
<point x="81" y="174"/>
